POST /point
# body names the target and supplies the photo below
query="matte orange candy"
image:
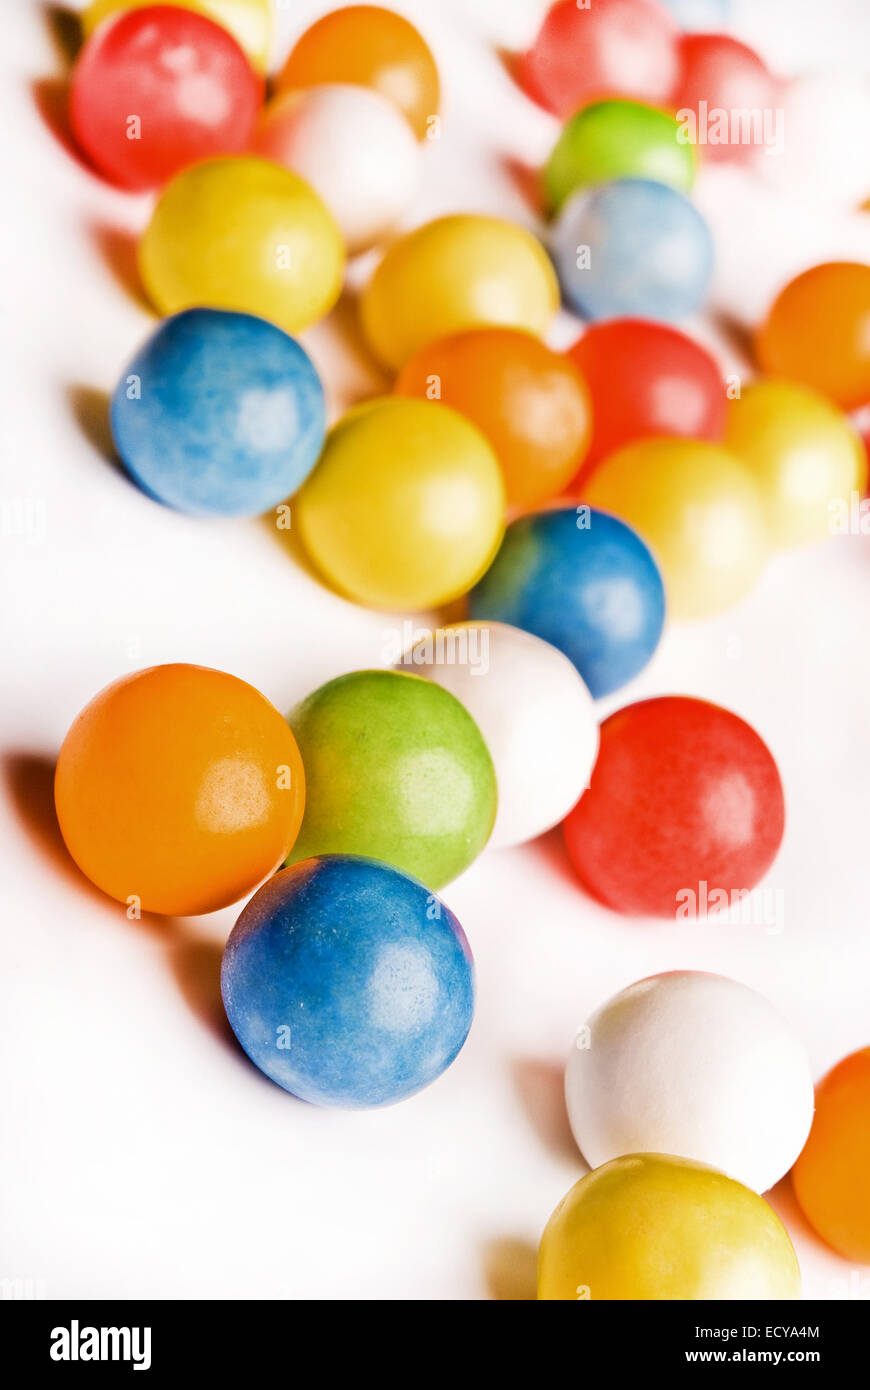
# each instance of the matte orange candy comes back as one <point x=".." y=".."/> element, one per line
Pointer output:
<point x="818" y="332"/>
<point x="530" y="402"/>
<point x="832" y="1176"/>
<point x="368" y="46"/>
<point x="179" y="789"/>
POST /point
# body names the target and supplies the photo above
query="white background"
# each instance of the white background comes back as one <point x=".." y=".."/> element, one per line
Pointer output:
<point x="142" y="1155"/>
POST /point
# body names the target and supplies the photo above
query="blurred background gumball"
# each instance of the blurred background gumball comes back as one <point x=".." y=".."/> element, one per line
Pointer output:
<point x="818" y="331"/>
<point x="249" y="21"/>
<point x="733" y="99"/>
<point x="700" y="16"/>
<point x="618" y="140"/>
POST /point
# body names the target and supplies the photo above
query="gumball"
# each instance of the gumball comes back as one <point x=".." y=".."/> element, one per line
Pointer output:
<point x="396" y="769"/>
<point x="650" y="1226"/>
<point x="219" y="414"/>
<point x="179" y="789"/>
<point x="699" y="510"/>
<point x="530" y="402"/>
<point x="370" y="47"/>
<point x="721" y="83"/>
<point x="405" y="508"/>
<point x="685" y="809"/>
<point x="830" y="1177"/>
<point x="278" y="255"/>
<point x="704" y="16"/>
<point x="249" y="21"/>
<point x="691" y="1064"/>
<point x="609" y="48"/>
<point x="802" y="451"/>
<point x="647" y="379"/>
<point x="356" y="151"/>
<point x="348" y="983"/>
<point x="534" y="711"/>
<point x="818" y="332"/>
<point x="632" y="248"/>
<point x="457" y="272"/>
<point x="618" y="140"/>
<point x="582" y="581"/>
<point x="157" y="89"/>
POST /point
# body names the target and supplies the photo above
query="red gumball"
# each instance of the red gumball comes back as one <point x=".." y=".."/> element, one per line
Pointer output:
<point x="685" y="809"/>
<point x="155" y="89"/>
<point x="646" y="379"/>
<point x="624" y="48"/>
<point x="731" y="94"/>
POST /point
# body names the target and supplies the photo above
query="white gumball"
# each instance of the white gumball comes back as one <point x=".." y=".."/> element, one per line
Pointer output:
<point x="694" y="1065"/>
<point x="534" y="711"/>
<point x="354" y="148"/>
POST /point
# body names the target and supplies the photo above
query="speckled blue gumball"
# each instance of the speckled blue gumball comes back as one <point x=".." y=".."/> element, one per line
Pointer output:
<point x="632" y="249"/>
<point x="219" y="414"/>
<point x="348" y="982"/>
<point x="583" y="581"/>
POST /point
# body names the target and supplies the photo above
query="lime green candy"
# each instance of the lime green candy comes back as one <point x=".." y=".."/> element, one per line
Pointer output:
<point x="395" y="769"/>
<point x="618" y="140"/>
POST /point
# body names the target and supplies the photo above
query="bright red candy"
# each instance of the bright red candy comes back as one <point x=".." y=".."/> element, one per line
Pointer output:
<point x="685" y="800"/>
<point x="647" y="379"/>
<point x="158" y="88"/>
<point x="728" y="77"/>
<point x="625" y="48"/>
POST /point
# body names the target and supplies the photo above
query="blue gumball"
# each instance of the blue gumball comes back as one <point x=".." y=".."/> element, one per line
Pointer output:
<point x="632" y="249"/>
<point x="348" y="982"/>
<point x="584" y="582"/>
<point x="700" y="16"/>
<point x="219" y="414"/>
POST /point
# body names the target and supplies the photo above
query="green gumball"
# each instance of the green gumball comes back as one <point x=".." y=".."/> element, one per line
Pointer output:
<point x="395" y="769"/>
<point x="618" y="140"/>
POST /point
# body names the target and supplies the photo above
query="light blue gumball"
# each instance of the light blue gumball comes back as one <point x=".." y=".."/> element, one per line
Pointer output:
<point x="632" y="249"/>
<point x="700" y="16"/>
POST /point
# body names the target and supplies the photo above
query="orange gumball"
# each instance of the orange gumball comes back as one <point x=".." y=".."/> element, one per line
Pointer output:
<point x="180" y="789"/>
<point x="530" y="402"/>
<point x="832" y="1176"/>
<point x="818" y="332"/>
<point x="369" y="47"/>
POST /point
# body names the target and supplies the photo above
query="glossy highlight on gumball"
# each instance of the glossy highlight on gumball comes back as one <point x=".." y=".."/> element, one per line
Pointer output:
<point x="618" y="140"/>
<point x="830" y="1177"/>
<point x="348" y="983"/>
<point x="280" y="256"/>
<point x="693" y="1064"/>
<point x="655" y="1226"/>
<point x="157" y="89"/>
<point x="405" y="508"/>
<point x="458" y="272"/>
<point x="582" y="581"/>
<point x="356" y="151"/>
<point x="179" y="789"/>
<point x="396" y="769"/>
<point x="249" y="21"/>
<point x="529" y="401"/>
<point x="632" y="248"/>
<point x="818" y="332"/>
<point x="700" y="511"/>
<point x="685" y="809"/>
<point x="624" y="48"/>
<point x="219" y="414"/>
<point x="372" y="47"/>
<point x="647" y="379"/>
<point x="534" y="711"/>
<point x="803" y="452"/>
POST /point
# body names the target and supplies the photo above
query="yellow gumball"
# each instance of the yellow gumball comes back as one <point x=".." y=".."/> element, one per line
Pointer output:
<point x="700" y="512"/>
<point x="405" y="508"/>
<point x="802" y="451"/>
<point x="457" y="272"/>
<point x="649" y="1226"/>
<point x="249" y="21"/>
<point x="243" y="233"/>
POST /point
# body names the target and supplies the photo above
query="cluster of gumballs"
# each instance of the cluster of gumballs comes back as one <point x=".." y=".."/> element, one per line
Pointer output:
<point x="179" y="790"/>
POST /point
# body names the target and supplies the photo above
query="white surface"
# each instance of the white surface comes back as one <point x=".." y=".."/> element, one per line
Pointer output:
<point x="142" y="1155"/>
<point x="696" y="1065"/>
<point x="532" y="707"/>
